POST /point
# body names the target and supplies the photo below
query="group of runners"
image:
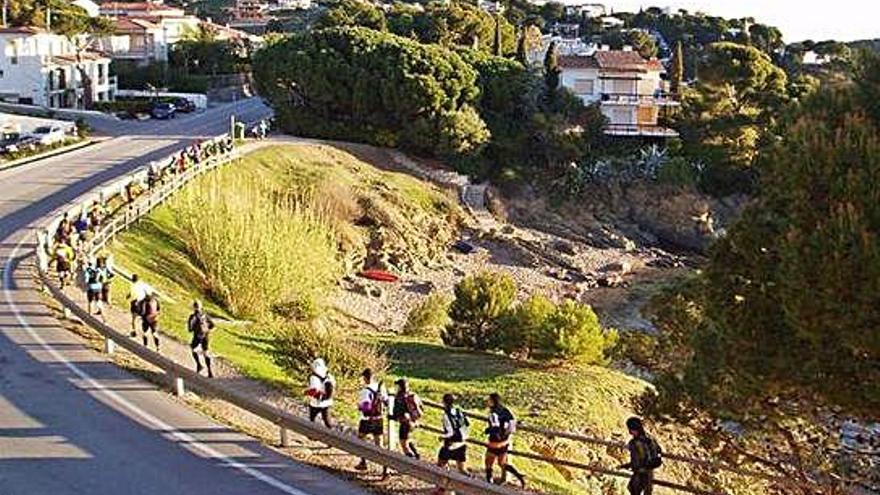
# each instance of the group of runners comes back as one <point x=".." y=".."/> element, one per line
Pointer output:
<point x="404" y="407"/>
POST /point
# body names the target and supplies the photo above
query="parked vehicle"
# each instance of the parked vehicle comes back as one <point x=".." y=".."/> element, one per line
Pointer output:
<point x="184" y="105"/>
<point x="163" y="111"/>
<point x="48" y="135"/>
<point x="13" y="143"/>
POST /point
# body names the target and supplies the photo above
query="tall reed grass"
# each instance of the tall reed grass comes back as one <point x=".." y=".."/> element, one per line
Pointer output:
<point x="259" y="247"/>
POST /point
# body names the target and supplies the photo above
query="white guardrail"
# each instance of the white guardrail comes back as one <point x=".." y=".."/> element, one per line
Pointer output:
<point x="219" y="151"/>
<point x="177" y="374"/>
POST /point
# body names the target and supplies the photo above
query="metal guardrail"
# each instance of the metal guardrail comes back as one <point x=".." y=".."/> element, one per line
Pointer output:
<point x="178" y="374"/>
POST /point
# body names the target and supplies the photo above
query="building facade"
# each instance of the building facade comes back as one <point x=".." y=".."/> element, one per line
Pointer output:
<point x="46" y="69"/>
<point x="629" y="89"/>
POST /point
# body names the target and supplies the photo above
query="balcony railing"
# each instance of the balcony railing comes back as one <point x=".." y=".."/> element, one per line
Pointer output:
<point x="639" y="130"/>
<point x="659" y="98"/>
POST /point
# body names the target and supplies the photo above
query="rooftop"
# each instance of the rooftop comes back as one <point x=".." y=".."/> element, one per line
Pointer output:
<point x="616" y="60"/>
<point x="23" y="30"/>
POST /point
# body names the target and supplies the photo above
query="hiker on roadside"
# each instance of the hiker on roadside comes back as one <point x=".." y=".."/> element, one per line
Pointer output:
<point x="407" y="411"/>
<point x="454" y="436"/>
<point x="81" y="225"/>
<point x="199" y="324"/>
<point x="150" y="318"/>
<point x="371" y="403"/>
<point x="94" y="286"/>
<point x="64" y="230"/>
<point x="501" y="426"/>
<point x="645" y="455"/>
<point x="105" y="275"/>
<point x="64" y="256"/>
<point x="136" y="295"/>
<point x="96" y="216"/>
<point x="320" y="392"/>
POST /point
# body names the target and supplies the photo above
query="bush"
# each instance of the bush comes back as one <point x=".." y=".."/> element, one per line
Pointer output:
<point x="428" y="318"/>
<point x="297" y="344"/>
<point x="522" y="327"/>
<point x="480" y="303"/>
<point x="572" y="331"/>
<point x="637" y="347"/>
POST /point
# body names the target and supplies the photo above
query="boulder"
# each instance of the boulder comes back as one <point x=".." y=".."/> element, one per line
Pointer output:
<point x="618" y="267"/>
<point x="564" y="247"/>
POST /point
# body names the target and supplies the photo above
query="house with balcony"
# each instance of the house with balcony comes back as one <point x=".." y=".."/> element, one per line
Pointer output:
<point x="629" y="89"/>
<point x="46" y="69"/>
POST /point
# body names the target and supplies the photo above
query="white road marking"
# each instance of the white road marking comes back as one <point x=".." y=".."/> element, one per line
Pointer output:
<point x="147" y="417"/>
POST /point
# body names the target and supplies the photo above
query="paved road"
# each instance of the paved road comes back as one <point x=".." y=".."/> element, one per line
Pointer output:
<point x="70" y="421"/>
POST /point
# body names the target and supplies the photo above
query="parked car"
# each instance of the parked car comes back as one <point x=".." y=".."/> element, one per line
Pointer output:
<point x="48" y="135"/>
<point x="16" y="142"/>
<point x="163" y="111"/>
<point x="184" y="105"/>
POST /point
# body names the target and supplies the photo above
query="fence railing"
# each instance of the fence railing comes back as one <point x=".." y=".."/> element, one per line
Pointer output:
<point x="177" y="375"/>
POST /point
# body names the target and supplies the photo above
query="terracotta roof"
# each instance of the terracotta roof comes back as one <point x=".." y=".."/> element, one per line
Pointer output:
<point x="626" y="61"/>
<point x="23" y="30"/>
<point x="71" y="59"/>
<point x="133" y="25"/>
<point x="577" y="62"/>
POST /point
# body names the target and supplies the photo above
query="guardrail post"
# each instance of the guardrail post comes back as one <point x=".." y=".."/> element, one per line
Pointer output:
<point x="179" y="389"/>
<point x="109" y="346"/>
<point x="285" y="436"/>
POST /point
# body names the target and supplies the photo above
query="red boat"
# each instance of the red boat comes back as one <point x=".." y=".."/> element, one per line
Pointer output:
<point x="379" y="275"/>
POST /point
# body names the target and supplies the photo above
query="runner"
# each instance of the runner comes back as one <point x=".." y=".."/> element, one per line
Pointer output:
<point x="320" y="392"/>
<point x="136" y="294"/>
<point x="64" y="258"/>
<point x="371" y="403"/>
<point x="502" y="424"/>
<point x="455" y="434"/>
<point x="200" y="325"/>
<point x="94" y="287"/>
<point x="64" y="230"/>
<point x="150" y="318"/>
<point x="105" y="275"/>
<point x="406" y="410"/>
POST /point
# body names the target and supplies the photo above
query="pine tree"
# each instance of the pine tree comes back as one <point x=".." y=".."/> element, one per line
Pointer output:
<point x="551" y="69"/>
<point x="676" y="74"/>
<point x="522" y="55"/>
<point x="496" y="47"/>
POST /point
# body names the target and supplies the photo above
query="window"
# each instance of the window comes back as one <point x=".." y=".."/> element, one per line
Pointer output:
<point x="583" y="86"/>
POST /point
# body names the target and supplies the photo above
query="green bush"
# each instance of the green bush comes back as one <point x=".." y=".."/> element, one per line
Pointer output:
<point x="639" y="348"/>
<point x="481" y="301"/>
<point x="573" y="332"/>
<point x="521" y="328"/>
<point x="428" y="318"/>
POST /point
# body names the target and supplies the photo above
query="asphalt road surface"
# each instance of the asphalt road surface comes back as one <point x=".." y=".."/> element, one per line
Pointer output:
<point x="70" y="421"/>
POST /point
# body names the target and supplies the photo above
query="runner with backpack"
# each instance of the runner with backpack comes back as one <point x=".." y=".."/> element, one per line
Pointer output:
<point x="371" y="404"/>
<point x="200" y="325"/>
<point x="320" y="392"/>
<point x="407" y="411"/>
<point x="105" y="275"/>
<point x="645" y="455"/>
<point x="136" y="295"/>
<point x="500" y="430"/>
<point x="64" y="256"/>
<point x="150" y="318"/>
<point x="455" y="434"/>
<point x="94" y="286"/>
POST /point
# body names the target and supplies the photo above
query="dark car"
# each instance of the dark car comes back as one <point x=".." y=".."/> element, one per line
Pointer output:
<point x="16" y="142"/>
<point x="184" y="105"/>
<point x="163" y="111"/>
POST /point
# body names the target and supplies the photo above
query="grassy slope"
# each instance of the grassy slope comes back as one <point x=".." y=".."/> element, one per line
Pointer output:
<point x="583" y="398"/>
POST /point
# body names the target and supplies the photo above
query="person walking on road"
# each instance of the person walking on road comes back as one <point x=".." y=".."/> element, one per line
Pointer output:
<point x="454" y="436"/>
<point x="199" y="324"/>
<point x="94" y="287"/>
<point x="320" y="392"/>
<point x="645" y="456"/>
<point x="136" y="295"/>
<point x="64" y="257"/>
<point x="150" y="309"/>
<point x="407" y="411"/>
<point x="500" y="430"/>
<point x="371" y="403"/>
<point x="105" y="275"/>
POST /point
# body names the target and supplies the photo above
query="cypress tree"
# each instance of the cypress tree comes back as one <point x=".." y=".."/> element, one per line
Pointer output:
<point x="522" y="55"/>
<point x="496" y="47"/>
<point x="676" y="73"/>
<point x="551" y="69"/>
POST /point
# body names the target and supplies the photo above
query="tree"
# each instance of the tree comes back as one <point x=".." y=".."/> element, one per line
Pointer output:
<point x="358" y="84"/>
<point x="552" y="72"/>
<point x="522" y="55"/>
<point x="353" y="13"/>
<point x="481" y="301"/>
<point x="82" y="31"/>
<point x="497" y="49"/>
<point x="676" y="72"/>
<point x="454" y="24"/>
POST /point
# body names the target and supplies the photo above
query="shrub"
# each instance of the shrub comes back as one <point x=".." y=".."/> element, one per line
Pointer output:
<point x="297" y="344"/>
<point x="480" y="303"/>
<point x="428" y="318"/>
<point x="637" y="347"/>
<point x="572" y="331"/>
<point x="521" y="328"/>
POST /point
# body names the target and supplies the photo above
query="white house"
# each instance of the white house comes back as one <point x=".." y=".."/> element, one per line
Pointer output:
<point x="628" y="88"/>
<point x="584" y="8"/>
<point x="42" y="68"/>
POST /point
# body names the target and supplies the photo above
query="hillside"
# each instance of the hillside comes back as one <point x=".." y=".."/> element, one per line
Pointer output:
<point x="382" y="218"/>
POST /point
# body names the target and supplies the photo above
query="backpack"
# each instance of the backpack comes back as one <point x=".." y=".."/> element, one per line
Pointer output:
<point x="653" y="453"/>
<point x="412" y="407"/>
<point x="376" y="403"/>
<point x="200" y="324"/>
<point x="150" y="308"/>
<point x="328" y="386"/>
<point x="460" y="425"/>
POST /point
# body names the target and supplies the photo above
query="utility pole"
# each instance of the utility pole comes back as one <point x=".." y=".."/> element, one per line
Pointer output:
<point x="48" y="16"/>
<point x="5" y="8"/>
